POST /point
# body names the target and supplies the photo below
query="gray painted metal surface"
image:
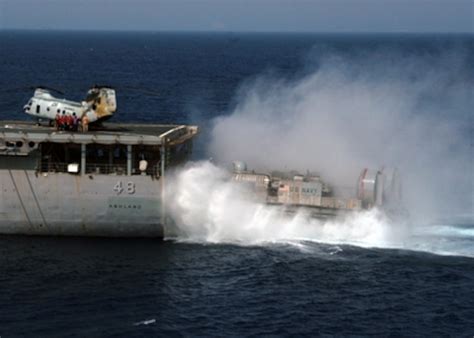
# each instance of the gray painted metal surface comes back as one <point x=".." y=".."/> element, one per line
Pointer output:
<point x="38" y="202"/>
<point x="130" y="134"/>
<point x="76" y="205"/>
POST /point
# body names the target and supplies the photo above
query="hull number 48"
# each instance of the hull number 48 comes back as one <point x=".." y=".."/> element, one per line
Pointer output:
<point x="128" y="188"/>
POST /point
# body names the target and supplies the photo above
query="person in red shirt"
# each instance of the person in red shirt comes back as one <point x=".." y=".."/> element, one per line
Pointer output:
<point x="62" y="121"/>
<point x="69" y="122"/>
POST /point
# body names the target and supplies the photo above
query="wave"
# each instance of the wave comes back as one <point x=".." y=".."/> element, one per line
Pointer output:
<point x="209" y="208"/>
<point x="452" y="230"/>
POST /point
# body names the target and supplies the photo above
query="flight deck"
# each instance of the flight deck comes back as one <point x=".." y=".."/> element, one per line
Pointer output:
<point x="110" y="133"/>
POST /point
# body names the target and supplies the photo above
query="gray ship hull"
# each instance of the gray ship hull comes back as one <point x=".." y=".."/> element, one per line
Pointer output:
<point x="61" y="204"/>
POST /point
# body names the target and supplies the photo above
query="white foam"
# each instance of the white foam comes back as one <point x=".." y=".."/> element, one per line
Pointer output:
<point x="145" y="322"/>
<point x="209" y="208"/>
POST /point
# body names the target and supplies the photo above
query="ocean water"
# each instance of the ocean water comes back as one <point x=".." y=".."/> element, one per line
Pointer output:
<point x="237" y="269"/>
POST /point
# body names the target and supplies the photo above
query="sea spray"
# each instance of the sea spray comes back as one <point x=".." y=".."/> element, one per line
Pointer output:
<point x="369" y="109"/>
<point x="373" y="109"/>
<point x="207" y="205"/>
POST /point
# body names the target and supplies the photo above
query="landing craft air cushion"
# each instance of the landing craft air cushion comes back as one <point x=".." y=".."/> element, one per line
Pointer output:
<point x="293" y="191"/>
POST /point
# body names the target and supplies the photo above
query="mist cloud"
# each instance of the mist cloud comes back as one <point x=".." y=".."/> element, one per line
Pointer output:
<point x="376" y="109"/>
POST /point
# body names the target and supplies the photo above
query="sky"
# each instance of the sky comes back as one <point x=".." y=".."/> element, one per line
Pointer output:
<point x="416" y="16"/>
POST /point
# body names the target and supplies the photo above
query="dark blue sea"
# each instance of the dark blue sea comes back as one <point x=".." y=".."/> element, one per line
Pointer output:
<point x="234" y="274"/>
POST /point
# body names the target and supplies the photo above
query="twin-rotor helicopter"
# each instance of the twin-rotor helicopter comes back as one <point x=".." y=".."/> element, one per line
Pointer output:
<point x="99" y="104"/>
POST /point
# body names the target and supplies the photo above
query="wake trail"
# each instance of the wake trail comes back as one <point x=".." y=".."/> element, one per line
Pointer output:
<point x="209" y="208"/>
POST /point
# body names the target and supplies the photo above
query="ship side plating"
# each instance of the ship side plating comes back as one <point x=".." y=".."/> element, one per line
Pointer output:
<point x="102" y="183"/>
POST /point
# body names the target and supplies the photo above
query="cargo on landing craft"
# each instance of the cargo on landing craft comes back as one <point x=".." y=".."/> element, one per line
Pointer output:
<point x="374" y="189"/>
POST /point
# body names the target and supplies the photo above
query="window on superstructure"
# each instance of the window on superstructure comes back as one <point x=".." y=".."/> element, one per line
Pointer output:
<point x="37" y="109"/>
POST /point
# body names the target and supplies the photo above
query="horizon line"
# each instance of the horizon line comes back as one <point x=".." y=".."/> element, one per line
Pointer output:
<point x="78" y="30"/>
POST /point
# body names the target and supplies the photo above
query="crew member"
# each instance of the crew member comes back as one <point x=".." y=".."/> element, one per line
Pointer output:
<point x="69" y="122"/>
<point x="75" y="121"/>
<point x="85" y="124"/>
<point x="56" y="120"/>
<point x="62" y="121"/>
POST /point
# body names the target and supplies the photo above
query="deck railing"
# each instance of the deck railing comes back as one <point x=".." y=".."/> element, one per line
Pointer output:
<point x="106" y="169"/>
<point x="53" y="167"/>
<point x="99" y="169"/>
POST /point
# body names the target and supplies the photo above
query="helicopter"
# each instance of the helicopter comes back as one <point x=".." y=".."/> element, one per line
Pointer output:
<point x="100" y="104"/>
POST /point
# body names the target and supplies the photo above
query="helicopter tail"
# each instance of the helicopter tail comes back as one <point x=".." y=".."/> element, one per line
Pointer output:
<point x="102" y="103"/>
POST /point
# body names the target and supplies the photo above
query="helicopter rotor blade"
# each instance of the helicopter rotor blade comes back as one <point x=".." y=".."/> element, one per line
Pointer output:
<point x="142" y="90"/>
<point x="51" y="89"/>
<point x="22" y="89"/>
<point x="102" y="86"/>
<point x="138" y="89"/>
